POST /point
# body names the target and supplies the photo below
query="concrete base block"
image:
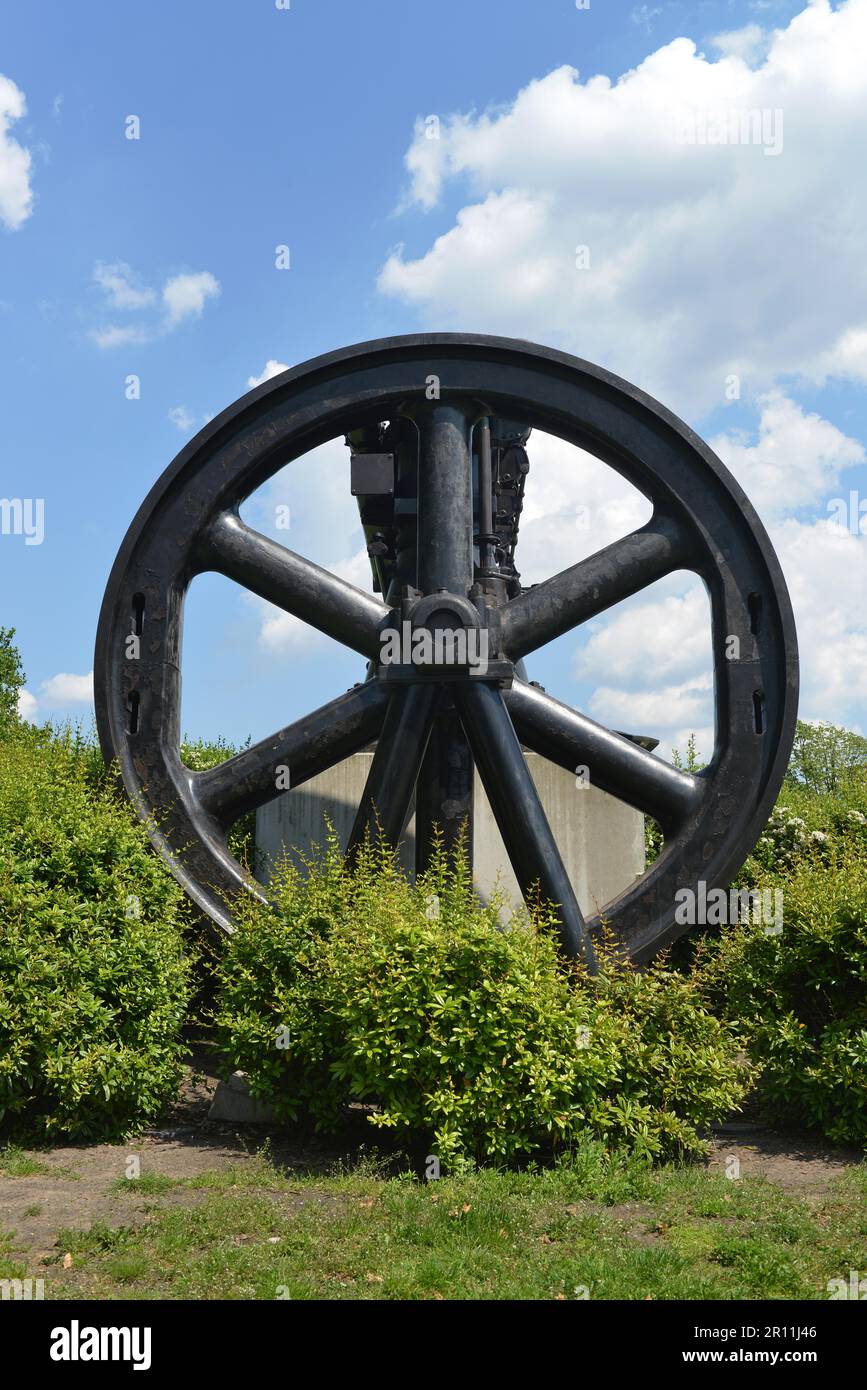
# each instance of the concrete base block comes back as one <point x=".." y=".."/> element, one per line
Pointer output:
<point x="233" y="1103"/>
<point x="601" y="839"/>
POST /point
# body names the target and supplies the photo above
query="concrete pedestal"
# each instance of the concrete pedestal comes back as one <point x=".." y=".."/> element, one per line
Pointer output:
<point x="601" y="839"/>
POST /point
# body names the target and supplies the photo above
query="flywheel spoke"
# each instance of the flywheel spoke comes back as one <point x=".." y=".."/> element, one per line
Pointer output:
<point x="444" y="793"/>
<point x="296" y="585"/>
<point x="519" y="813"/>
<point x="615" y="764"/>
<point x="579" y="593"/>
<point x="295" y="754"/>
<point x="387" y="796"/>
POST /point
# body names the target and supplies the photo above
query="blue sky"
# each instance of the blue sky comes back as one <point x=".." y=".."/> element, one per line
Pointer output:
<point x="262" y="126"/>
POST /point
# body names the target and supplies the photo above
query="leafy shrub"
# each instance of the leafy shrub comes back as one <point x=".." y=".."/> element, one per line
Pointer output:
<point x="472" y="1036"/>
<point x="93" y="979"/>
<point x="784" y="840"/>
<point x="805" y="826"/>
<point x="11" y="679"/>
<point x="801" y="996"/>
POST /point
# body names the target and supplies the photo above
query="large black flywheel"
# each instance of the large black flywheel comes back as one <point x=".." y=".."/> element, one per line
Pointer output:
<point x="429" y="417"/>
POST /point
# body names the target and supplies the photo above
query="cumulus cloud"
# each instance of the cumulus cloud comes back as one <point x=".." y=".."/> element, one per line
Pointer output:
<point x="27" y="705"/>
<point x="646" y="664"/>
<point x="671" y="710"/>
<point x="122" y="286"/>
<point x="831" y="615"/>
<point x="652" y="658"/>
<point x="794" y="462"/>
<point x="642" y="644"/>
<point x="185" y="296"/>
<point x="181" y="417"/>
<point x="846" y="359"/>
<point x="16" y="195"/>
<point x="117" y="335"/>
<point x="716" y="202"/>
<point x="676" y="629"/>
<point x="573" y="506"/>
<point x="693" y="222"/>
<point x="281" y="632"/>
<point x="182" y="297"/>
<point x="312" y="495"/>
<point x="746" y="43"/>
<point x="271" y="368"/>
<point x="66" y="689"/>
<point x="57" y="692"/>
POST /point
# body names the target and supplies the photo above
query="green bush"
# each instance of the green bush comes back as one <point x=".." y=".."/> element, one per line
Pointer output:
<point x="805" y="826"/>
<point x="93" y="979"/>
<point x="801" y="995"/>
<point x="469" y="1036"/>
<point x="11" y="680"/>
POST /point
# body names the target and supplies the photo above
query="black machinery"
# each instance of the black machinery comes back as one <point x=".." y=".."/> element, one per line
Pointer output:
<point x="437" y="424"/>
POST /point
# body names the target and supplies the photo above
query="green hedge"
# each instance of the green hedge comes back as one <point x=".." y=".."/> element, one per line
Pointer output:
<point x="94" y="983"/>
<point x="470" y="1037"/>
<point x="801" y="995"/>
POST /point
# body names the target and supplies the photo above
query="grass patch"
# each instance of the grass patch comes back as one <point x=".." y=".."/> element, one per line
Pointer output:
<point x="15" y="1163"/>
<point x="148" y="1185"/>
<point x="593" y="1226"/>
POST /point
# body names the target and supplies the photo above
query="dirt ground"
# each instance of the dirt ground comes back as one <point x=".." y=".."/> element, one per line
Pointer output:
<point x="73" y="1190"/>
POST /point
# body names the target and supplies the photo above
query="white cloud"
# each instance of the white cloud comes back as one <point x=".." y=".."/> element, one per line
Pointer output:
<point x="831" y="616"/>
<point x="122" y="286"/>
<point x="796" y="459"/>
<point x="664" y="639"/>
<point x="281" y="632"/>
<point x="313" y="492"/>
<point x="644" y="15"/>
<point x="185" y="296"/>
<point x="116" y="335"/>
<point x="27" y="705"/>
<point x="847" y="358"/>
<point x="182" y="296"/>
<point x="573" y="506"/>
<point x="16" y="195"/>
<point x="180" y="416"/>
<point x="66" y="689"/>
<point x="652" y="659"/>
<point x="706" y="259"/>
<point x="648" y="661"/>
<point x="667" y="712"/>
<point x="746" y="43"/>
<point x="271" y="368"/>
